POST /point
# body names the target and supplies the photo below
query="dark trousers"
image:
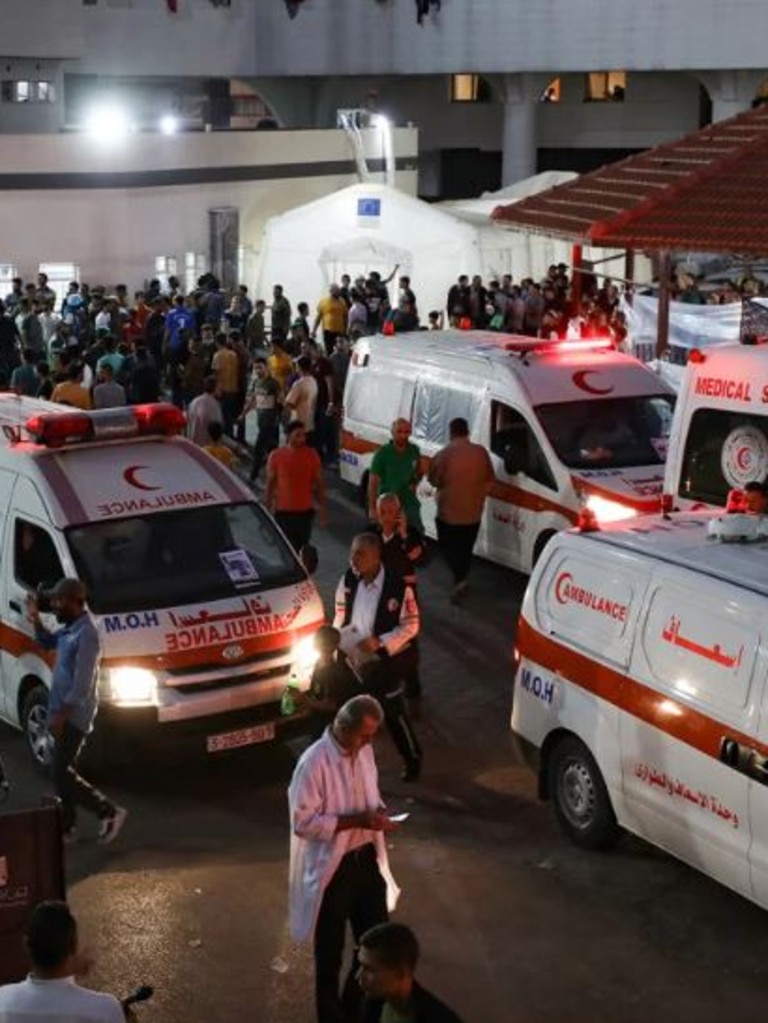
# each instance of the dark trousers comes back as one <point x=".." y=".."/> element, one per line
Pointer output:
<point x="267" y="440"/>
<point x="72" y="790"/>
<point x="230" y="404"/>
<point x="240" y="423"/>
<point x="386" y="680"/>
<point x="297" y="526"/>
<point x="329" y="340"/>
<point x="457" y="544"/>
<point x="356" y="895"/>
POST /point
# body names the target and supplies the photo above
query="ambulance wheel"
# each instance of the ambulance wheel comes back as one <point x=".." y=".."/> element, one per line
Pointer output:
<point x="34" y="723"/>
<point x="582" y="804"/>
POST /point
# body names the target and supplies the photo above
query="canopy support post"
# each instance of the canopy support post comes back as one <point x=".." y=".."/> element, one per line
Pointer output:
<point x="665" y="292"/>
<point x="576" y="270"/>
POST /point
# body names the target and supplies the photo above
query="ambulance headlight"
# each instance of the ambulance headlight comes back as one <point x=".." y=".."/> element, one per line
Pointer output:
<point x="606" y="510"/>
<point x="130" y="686"/>
<point x="304" y="657"/>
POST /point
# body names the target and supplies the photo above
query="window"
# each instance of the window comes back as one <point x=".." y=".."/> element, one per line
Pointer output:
<point x="470" y="89"/>
<point x="165" y="267"/>
<point x="140" y="563"/>
<point x="59" y="277"/>
<point x="378" y="398"/>
<point x="436" y="407"/>
<point x="36" y="560"/>
<point x="715" y="439"/>
<point x="7" y="273"/>
<point x="514" y="442"/>
<point x="609" y="433"/>
<point x="605" y="86"/>
<point x="194" y="268"/>
<point x="23" y="91"/>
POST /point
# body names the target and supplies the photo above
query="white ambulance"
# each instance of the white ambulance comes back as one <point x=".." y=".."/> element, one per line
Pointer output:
<point x="567" y="424"/>
<point x="202" y="604"/>
<point x="719" y="438"/>
<point x="640" y="695"/>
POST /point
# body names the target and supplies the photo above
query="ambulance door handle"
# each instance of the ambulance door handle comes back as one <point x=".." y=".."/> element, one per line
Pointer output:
<point x="744" y="759"/>
<point x="14" y="605"/>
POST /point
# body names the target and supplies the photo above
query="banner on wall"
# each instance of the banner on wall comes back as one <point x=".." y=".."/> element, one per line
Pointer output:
<point x="690" y="326"/>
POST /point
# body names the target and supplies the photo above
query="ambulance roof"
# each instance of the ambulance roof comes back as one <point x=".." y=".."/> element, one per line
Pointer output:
<point x="682" y="540"/>
<point x="548" y="371"/>
<point x="105" y="480"/>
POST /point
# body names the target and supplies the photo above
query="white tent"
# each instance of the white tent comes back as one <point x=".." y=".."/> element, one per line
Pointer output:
<point x="530" y="255"/>
<point x="362" y="228"/>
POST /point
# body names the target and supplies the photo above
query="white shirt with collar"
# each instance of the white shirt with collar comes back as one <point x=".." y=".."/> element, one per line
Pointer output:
<point x="56" y="1001"/>
<point x="329" y="783"/>
<point x="366" y="604"/>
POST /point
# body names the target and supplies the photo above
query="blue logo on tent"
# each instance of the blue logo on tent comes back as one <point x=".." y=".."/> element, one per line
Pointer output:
<point x="369" y="207"/>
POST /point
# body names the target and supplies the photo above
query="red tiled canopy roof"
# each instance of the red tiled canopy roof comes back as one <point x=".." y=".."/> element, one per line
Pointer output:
<point x="707" y="192"/>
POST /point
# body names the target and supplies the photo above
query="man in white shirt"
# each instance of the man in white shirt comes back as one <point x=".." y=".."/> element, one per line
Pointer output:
<point x="50" y="994"/>
<point x="301" y="400"/>
<point x="204" y="410"/>
<point x="378" y="615"/>
<point x="339" y="869"/>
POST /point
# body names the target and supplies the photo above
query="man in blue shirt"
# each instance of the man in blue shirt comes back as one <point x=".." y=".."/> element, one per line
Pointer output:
<point x="72" y="704"/>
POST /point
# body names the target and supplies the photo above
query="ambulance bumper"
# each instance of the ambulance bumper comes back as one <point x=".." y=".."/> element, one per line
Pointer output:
<point x="526" y="753"/>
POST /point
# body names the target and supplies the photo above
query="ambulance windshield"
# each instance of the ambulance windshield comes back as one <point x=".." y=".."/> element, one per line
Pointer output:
<point x="183" y="557"/>
<point x="609" y="432"/>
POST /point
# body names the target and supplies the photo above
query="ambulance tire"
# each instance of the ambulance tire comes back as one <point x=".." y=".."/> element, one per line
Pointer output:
<point x="34" y="724"/>
<point x="581" y="800"/>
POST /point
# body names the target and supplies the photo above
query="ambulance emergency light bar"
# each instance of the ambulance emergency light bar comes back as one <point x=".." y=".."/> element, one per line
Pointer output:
<point x="527" y="345"/>
<point x="55" y="430"/>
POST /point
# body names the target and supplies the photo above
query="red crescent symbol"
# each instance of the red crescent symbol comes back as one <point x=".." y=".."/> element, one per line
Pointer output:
<point x="743" y="458"/>
<point x="560" y="583"/>
<point x="580" y="379"/>
<point x="130" y="477"/>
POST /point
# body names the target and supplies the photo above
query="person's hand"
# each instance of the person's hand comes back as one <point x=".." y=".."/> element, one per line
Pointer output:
<point x="378" y="821"/>
<point x="415" y="553"/>
<point x="370" y="645"/>
<point x="56" y="724"/>
<point x="372" y="517"/>
<point x="33" y="607"/>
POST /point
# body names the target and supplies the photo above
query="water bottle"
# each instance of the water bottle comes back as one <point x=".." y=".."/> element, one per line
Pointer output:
<point x="288" y="701"/>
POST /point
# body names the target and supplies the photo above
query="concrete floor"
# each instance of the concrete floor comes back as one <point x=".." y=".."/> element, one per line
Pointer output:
<point x="517" y="925"/>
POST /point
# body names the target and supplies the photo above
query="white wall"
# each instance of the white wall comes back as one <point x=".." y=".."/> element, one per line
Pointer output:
<point x="364" y="37"/>
<point x="114" y="234"/>
<point x="42" y="28"/>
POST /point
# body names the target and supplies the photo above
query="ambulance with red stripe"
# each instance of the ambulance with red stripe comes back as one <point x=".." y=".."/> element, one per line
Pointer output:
<point x="202" y="605"/>
<point x="719" y="439"/>
<point x="568" y="425"/>
<point x="640" y="695"/>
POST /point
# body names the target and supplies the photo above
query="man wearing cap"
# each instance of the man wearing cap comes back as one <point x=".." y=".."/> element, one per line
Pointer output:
<point x="72" y="704"/>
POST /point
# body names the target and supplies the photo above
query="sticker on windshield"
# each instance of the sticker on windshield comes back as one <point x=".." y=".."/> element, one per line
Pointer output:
<point x="239" y="567"/>
<point x="744" y="457"/>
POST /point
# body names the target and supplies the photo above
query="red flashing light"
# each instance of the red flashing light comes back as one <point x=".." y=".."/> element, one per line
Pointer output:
<point x="696" y="356"/>
<point x="465" y="323"/>
<point x="587" y="522"/>
<point x="161" y="418"/>
<point x="585" y="345"/>
<point x="736" y="503"/>
<point x="54" y="431"/>
<point x="389" y="329"/>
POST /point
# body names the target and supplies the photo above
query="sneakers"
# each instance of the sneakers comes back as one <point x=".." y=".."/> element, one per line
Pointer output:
<point x="111" y="826"/>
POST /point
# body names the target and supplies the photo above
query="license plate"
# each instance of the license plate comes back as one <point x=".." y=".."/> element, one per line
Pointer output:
<point x="242" y="737"/>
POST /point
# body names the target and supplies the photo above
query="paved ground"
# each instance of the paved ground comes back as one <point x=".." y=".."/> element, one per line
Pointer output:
<point x="517" y="925"/>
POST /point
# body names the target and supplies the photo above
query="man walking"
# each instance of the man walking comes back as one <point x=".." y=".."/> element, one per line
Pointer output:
<point x="388" y="955"/>
<point x="72" y="705"/>
<point x="339" y="869"/>
<point x="378" y="616"/>
<point x="332" y="316"/>
<point x="204" y="410"/>
<point x="301" y="400"/>
<point x="396" y="469"/>
<point x="462" y="473"/>
<point x="264" y="396"/>
<point x="294" y="482"/>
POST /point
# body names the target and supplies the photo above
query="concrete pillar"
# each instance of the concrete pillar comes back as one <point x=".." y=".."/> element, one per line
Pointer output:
<point x="520" y="95"/>
<point x="731" y="92"/>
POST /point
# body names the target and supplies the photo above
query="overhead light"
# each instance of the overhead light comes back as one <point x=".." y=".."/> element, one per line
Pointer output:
<point x="169" y="124"/>
<point x="108" y="123"/>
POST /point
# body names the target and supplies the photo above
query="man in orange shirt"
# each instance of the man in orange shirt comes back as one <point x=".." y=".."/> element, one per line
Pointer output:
<point x="226" y="369"/>
<point x="294" y="481"/>
<point x="71" y="390"/>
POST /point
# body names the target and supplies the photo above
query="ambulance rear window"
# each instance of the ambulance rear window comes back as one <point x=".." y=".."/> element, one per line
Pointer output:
<point x="185" y="557"/>
<point x="723" y="451"/>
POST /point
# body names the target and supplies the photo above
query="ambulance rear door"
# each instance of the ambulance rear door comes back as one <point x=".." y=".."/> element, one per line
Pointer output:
<point x="694" y="681"/>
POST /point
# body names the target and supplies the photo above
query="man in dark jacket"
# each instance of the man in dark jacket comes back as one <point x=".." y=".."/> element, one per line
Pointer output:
<point x="388" y="956"/>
